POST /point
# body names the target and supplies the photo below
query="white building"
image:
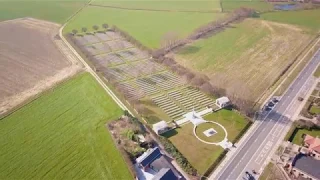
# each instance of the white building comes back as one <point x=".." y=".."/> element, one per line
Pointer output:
<point x="223" y="102"/>
<point x="160" y="127"/>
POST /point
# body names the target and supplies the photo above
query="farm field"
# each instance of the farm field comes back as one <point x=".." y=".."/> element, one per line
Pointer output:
<point x="251" y="59"/>
<point x="145" y="26"/>
<point x="30" y="60"/>
<point x="307" y="19"/>
<point x="297" y="137"/>
<point x="58" y="12"/>
<point x="170" y="5"/>
<point x="163" y="94"/>
<point x="199" y="154"/>
<point x="62" y="135"/>
<point x="260" y="6"/>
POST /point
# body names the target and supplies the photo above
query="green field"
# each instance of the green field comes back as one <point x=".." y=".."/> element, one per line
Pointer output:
<point x="170" y="5"/>
<point x="61" y="135"/>
<point x="297" y="137"/>
<point x="245" y="59"/>
<point x="146" y="26"/>
<point x="260" y="6"/>
<point x="199" y="154"/>
<point x="317" y="72"/>
<point x="315" y="109"/>
<point x="308" y="19"/>
<point x="56" y="11"/>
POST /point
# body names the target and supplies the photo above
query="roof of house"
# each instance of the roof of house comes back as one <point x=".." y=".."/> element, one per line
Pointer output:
<point x="313" y="142"/>
<point x="165" y="174"/>
<point x="159" y="125"/>
<point x="307" y="164"/>
<point x="223" y="100"/>
<point x="149" y="156"/>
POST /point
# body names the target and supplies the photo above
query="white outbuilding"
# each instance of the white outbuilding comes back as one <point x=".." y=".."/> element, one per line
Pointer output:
<point x="160" y="127"/>
<point x="223" y="102"/>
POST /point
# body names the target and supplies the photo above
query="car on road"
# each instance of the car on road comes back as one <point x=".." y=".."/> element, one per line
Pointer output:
<point x="300" y="98"/>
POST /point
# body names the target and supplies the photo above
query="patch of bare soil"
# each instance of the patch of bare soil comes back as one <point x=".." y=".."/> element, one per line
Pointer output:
<point x="31" y="60"/>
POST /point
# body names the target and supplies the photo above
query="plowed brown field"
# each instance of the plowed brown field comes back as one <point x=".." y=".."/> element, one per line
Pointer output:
<point x="30" y="60"/>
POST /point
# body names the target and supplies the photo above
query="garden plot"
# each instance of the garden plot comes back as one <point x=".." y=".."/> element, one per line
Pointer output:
<point x="147" y="86"/>
<point x="166" y="81"/>
<point x="91" y="39"/>
<point x="128" y="55"/>
<point x="115" y="74"/>
<point x="129" y="70"/>
<point x="108" y="59"/>
<point x="130" y="91"/>
<point x="168" y="106"/>
<point x="99" y="48"/>
<point x="117" y="45"/>
<point x="80" y="40"/>
<point x="198" y="96"/>
<point x="140" y="54"/>
<point x="103" y="36"/>
<point x="113" y="35"/>
<point x="185" y="100"/>
<point x="148" y="67"/>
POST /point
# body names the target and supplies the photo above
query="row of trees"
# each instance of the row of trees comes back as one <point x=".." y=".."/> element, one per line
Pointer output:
<point x="171" y="40"/>
<point x="94" y="27"/>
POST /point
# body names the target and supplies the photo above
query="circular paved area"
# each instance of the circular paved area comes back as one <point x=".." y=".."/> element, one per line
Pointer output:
<point x="221" y="132"/>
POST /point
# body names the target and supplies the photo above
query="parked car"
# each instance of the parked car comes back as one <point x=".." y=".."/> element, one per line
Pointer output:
<point x="300" y="98"/>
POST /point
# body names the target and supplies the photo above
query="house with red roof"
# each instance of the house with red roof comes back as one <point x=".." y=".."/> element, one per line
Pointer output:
<point x="313" y="144"/>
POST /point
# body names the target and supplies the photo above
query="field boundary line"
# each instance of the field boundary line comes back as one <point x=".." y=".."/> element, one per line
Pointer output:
<point x="152" y="10"/>
<point x="35" y="97"/>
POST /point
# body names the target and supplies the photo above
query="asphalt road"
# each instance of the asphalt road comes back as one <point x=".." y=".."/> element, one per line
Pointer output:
<point x="253" y="153"/>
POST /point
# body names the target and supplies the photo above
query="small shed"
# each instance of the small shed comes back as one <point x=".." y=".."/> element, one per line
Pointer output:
<point x="223" y="102"/>
<point x="160" y="127"/>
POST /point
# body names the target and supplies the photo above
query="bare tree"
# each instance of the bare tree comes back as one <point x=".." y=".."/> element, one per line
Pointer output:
<point x="105" y="26"/>
<point x="197" y="81"/>
<point x="169" y="40"/>
<point x="95" y="27"/>
<point x="74" y="31"/>
<point x="84" y="29"/>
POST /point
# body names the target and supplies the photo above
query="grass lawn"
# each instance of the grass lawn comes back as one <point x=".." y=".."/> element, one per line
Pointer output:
<point x="56" y="11"/>
<point x="260" y="6"/>
<point x="307" y="18"/>
<point x="61" y="135"/>
<point x="297" y="137"/>
<point x="315" y="109"/>
<point x="146" y="26"/>
<point x="249" y="61"/>
<point x="317" y="72"/>
<point x="199" y="154"/>
<point x="171" y="5"/>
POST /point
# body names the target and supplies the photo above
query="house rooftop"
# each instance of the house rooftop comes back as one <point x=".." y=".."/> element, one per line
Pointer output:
<point x="307" y="164"/>
<point x="223" y="100"/>
<point x="165" y="174"/>
<point x="149" y="156"/>
<point x="313" y="142"/>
